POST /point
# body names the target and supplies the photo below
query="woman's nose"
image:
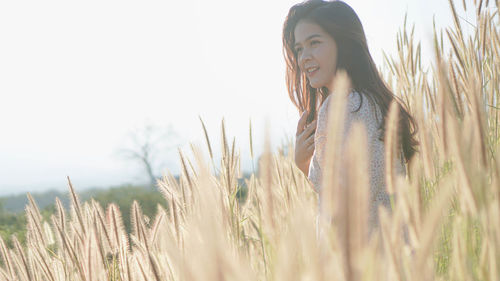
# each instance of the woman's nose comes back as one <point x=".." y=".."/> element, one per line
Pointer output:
<point x="304" y="56"/>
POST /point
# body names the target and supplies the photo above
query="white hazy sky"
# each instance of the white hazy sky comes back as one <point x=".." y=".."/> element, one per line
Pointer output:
<point x="77" y="76"/>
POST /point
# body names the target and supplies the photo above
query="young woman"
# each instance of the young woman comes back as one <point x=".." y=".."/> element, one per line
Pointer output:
<point x="320" y="38"/>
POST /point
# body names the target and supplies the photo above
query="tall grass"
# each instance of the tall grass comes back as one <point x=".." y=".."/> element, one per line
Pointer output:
<point x="444" y="224"/>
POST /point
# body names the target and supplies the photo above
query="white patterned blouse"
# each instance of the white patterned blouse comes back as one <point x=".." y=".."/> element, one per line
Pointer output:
<point x="369" y="114"/>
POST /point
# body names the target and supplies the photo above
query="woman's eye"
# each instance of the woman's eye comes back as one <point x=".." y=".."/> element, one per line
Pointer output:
<point x="314" y="42"/>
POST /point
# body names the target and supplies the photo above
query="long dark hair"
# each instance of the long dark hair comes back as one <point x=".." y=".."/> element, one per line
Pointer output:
<point x="341" y="22"/>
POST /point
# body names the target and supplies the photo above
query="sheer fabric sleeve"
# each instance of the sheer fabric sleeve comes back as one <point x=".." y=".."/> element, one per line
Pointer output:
<point x="320" y="138"/>
<point x="358" y="109"/>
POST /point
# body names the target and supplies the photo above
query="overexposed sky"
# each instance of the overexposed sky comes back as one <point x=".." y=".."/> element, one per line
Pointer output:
<point x="77" y="76"/>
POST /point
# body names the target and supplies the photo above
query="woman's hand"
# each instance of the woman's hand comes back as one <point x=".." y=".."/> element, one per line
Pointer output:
<point x="304" y="143"/>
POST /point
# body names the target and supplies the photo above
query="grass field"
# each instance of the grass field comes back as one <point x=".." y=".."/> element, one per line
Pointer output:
<point x="444" y="224"/>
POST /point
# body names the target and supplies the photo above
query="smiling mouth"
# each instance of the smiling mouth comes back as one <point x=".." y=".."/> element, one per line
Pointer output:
<point x="311" y="71"/>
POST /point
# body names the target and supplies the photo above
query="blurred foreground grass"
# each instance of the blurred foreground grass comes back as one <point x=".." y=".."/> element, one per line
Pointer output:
<point x="444" y="224"/>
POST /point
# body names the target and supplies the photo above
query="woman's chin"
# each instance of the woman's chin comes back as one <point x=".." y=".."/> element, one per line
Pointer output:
<point x="317" y="85"/>
<point x="313" y="84"/>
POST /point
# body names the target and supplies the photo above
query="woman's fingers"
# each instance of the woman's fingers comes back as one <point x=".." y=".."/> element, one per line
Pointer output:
<point x="309" y="129"/>
<point x="301" y="123"/>
<point x="310" y="139"/>
<point x="310" y="148"/>
<point x="305" y="138"/>
<point x="306" y="141"/>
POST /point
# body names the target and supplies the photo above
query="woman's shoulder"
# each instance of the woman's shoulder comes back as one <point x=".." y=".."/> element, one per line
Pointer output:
<point x="359" y="106"/>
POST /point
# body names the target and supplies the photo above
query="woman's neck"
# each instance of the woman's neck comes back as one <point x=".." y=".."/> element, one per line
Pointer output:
<point x="341" y="82"/>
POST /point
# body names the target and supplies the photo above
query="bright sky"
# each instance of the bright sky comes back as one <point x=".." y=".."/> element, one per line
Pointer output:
<point x="77" y="76"/>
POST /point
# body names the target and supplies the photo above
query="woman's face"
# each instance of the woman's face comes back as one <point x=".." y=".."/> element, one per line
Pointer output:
<point x="316" y="53"/>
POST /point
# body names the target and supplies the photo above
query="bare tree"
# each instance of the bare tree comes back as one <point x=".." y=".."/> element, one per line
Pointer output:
<point x="148" y="147"/>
